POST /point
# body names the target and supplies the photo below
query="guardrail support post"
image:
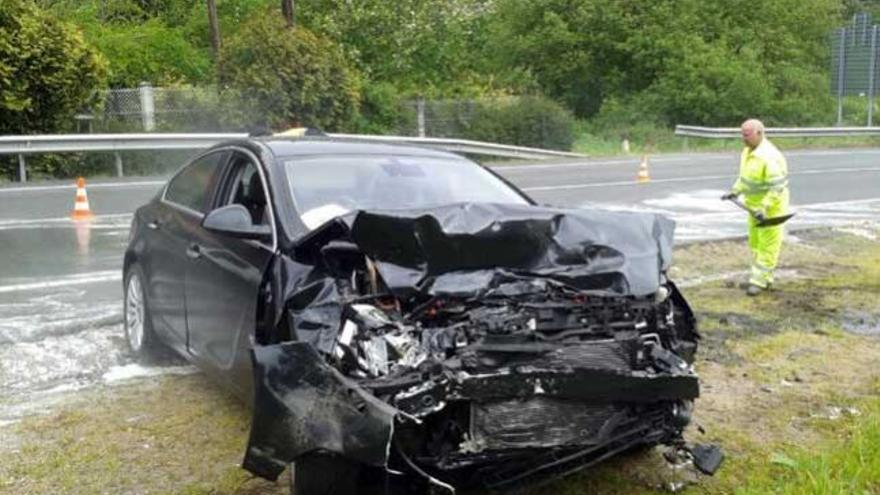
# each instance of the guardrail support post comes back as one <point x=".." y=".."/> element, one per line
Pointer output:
<point x="22" y="169"/>
<point x="841" y="67"/>
<point x="118" y="158"/>
<point x="420" y="108"/>
<point x="148" y="109"/>
<point x="872" y="66"/>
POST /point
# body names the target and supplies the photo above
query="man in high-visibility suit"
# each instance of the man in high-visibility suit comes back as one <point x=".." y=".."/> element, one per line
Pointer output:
<point x="763" y="181"/>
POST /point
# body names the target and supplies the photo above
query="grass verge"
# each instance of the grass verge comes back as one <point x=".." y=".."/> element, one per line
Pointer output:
<point x="651" y="139"/>
<point x="790" y="390"/>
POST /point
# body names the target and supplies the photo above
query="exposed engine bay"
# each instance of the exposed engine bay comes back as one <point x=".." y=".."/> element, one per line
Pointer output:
<point x="474" y="344"/>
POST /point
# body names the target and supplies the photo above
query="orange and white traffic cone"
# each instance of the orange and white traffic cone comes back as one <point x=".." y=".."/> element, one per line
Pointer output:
<point x="643" y="171"/>
<point x="81" y="209"/>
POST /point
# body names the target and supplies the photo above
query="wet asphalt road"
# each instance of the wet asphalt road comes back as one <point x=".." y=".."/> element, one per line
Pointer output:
<point x="60" y="286"/>
<point x="60" y="283"/>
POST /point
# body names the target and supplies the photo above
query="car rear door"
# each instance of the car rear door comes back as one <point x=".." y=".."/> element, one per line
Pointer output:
<point x="178" y="213"/>
<point x="223" y="281"/>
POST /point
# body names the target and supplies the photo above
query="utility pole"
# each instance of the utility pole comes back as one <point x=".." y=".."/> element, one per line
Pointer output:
<point x="214" y="25"/>
<point x="287" y="10"/>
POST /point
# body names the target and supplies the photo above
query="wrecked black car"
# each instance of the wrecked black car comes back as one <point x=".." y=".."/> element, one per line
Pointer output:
<point x="401" y="318"/>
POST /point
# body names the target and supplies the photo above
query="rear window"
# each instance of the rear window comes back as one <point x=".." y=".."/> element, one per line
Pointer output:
<point x="325" y="187"/>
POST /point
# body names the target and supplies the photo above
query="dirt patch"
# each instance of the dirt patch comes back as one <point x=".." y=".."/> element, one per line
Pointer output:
<point x="719" y="328"/>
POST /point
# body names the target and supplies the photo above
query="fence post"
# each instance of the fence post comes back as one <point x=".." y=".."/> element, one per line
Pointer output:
<point x="420" y="108"/>
<point x="148" y="108"/>
<point x="841" y="66"/>
<point x="22" y="169"/>
<point x="118" y="157"/>
<point x="871" y="82"/>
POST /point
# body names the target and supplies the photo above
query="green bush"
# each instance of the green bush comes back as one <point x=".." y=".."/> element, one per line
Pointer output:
<point x="47" y="71"/>
<point x="380" y="110"/>
<point x="285" y="77"/>
<point x="151" y="52"/>
<point x="635" y="118"/>
<point x="524" y="121"/>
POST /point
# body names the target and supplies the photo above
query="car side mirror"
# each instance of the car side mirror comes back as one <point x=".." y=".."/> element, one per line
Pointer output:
<point x="235" y="221"/>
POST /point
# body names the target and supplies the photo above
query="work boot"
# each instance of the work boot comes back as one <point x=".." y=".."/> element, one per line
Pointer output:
<point x="754" y="290"/>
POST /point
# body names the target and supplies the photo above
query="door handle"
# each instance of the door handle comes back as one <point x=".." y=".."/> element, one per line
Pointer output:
<point x="153" y="225"/>
<point x="194" y="251"/>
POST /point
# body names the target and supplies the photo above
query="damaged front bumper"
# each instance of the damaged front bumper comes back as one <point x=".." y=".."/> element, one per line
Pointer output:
<point x="549" y="410"/>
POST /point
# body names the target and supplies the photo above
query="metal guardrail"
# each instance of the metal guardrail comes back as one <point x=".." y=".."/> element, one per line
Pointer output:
<point x="66" y="143"/>
<point x="734" y="132"/>
<point x="60" y="143"/>
<point x="467" y="146"/>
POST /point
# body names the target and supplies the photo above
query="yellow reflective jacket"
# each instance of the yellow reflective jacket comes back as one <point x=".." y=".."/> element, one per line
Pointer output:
<point x="763" y="178"/>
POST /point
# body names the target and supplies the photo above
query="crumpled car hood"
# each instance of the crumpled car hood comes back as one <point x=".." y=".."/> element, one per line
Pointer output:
<point x="428" y="250"/>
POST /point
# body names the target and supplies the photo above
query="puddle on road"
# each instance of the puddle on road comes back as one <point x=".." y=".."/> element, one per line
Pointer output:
<point x="37" y="376"/>
<point x="61" y="314"/>
<point x="861" y="323"/>
<point x="53" y="344"/>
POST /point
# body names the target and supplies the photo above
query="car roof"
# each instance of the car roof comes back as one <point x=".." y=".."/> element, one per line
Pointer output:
<point x="318" y="145"/>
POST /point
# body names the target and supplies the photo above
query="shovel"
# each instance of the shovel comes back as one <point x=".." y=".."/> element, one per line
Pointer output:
<point x="767" y="222"/>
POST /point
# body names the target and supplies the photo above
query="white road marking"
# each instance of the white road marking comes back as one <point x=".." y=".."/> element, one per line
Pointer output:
<point x="830" y="153"/>
<point x="7" y="224"/>
<point x="66" y="280"/>
<point x="632" y="161"/>
<point x="98" y="185"/>
<point x="698" y="178"/>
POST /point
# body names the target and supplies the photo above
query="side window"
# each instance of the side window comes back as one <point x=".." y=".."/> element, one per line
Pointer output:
<point x="246" y="188"/>
<point x="192" y="185"/>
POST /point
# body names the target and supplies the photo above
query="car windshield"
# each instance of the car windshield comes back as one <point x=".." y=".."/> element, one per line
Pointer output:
<point x="329" y="186"/>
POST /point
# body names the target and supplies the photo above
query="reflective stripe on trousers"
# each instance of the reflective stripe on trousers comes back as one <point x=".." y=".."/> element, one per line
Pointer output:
<point x="766" y="244"/>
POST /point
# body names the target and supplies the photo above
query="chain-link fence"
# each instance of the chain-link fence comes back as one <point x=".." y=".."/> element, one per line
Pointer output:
<point x="440" y="118"/>
<point x="526" y="121"/>
<point x="148" y="109"/>
<point x="855" y="64"/>
<point x="200" y="109"/>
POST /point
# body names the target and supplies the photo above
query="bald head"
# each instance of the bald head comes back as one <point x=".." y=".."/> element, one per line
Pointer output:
<point x="752" y="132"/>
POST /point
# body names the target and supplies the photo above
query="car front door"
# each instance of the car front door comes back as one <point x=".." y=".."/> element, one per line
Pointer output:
<point x="181" y="208"/>
<point x="223" y="281"/>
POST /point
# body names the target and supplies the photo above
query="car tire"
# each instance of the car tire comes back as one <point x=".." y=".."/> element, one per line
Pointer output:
<point x="137" y="322"/>
<point x="325" y="474"/>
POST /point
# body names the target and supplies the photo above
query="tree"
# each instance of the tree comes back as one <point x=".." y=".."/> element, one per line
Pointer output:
<point x="145" y="40"/>
<point x="214" y="26"/>
<point x="149" y="51"/>
<point x="288" y="12"/>
<point x="431" y="47"/>
<point x="285" y="77"/>
<point x="697" y="61"/>
<point x="47" y="70"/>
